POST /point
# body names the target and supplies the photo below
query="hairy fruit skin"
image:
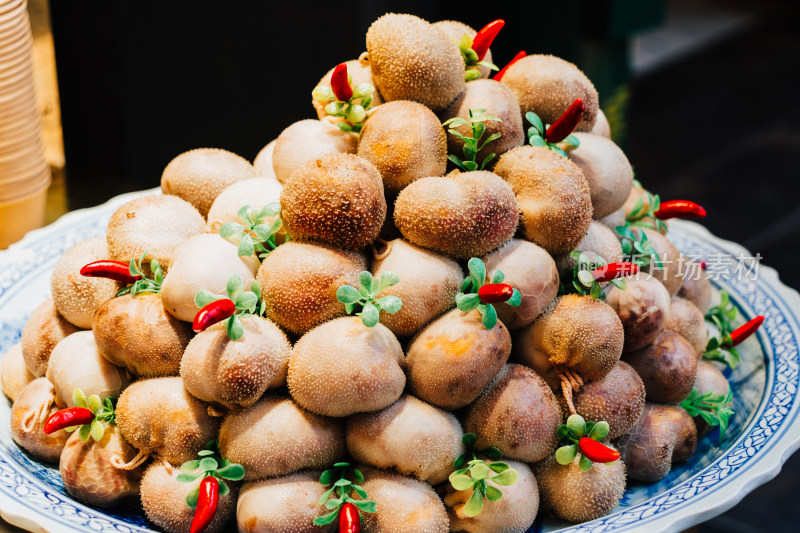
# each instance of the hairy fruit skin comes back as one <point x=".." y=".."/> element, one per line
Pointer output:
<point x="37" y="394"/>
<point x="43" y="331"/>
<point x="687" y="321"/>
<point x="643" y="309"/>
<point x="305" y="141"/>
<point x="404" y="504"/>
<point x="607" y="171"/>
<point x="14" y="374"/>
<point x="668" y="368"/>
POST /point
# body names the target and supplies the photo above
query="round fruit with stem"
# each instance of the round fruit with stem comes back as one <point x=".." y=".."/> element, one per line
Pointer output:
<point x="29" y="412"/>
<point x="43" y="331"/>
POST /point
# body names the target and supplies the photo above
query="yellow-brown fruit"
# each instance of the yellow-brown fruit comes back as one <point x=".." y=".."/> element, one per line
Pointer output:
<point x="451" y="361"/>
<point x="428" y="285"/>
<point x="513" y="513"/>
<point x="13" y="373"/>
<point x="410" y="436"/>
<point x="456" y="30"/>
<point x="577" y="496"/>
<point x="153" y="224"/>
<point x="687" y="321"/>
<point x="276" y="437"/>
<point x="548" y="85"/>
<point x="607" y="171"/>
<point x="412" y="60"/>
<point x="164" y="500"/>
<point x="282" y="505"/>
<point x="617" y="398"/>
<point x="553" y="197"/>
<point x="337" y="199"/>
<point x="405" y="142"/>
<point x="255" y="192"/>
<point x="601" y="240"/>
<point x="343" y="367"/>
<point x="404" y="505"/>
<point x="87" y="471"/>
<point x="517" y="413"/>
<point x="29" y="412"/>
<point x="601" y="126"/>
<point x="45" y="328"/>
<point x="643" y="308"/>
<point x="617" y="218"/>
<point x="77" y="297"/>
<point x="671" y="272"/>
<point x="664" y="435"/>
<point x="668" y="368"/>
<point x="575" y="332"/>
<point x="497" y="100"/>
<point x="159" y="416"/>
<point x="198" y="176"/>
<point x="76" y="363"/>
<point x="631" y="205"/>
<point x="529" y="269"/>
<point x="235" y="374"/>
<point x="299" y="282"/>
<point x="306" y="140"/>
<point x="137" y="333"/>
<point x="464" y="216"/>
<point x="359" y="72"/>
<point x="709" y="379"/>
<point x="695" y="286"/>
<point x="263" y="162"/>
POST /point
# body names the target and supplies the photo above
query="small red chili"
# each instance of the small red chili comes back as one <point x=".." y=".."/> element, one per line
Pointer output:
<point x="741" y="333"/>
<point x="493" y="293"/>
<point x="499" y="75"/>
<point x="340" y="84"/>
<point x="596" y="452"/>
<point x="207" y="500"/>
<point x="216" y="311"/>
<point x="703" y="265"/>
<point x="349" y="520"/>
<point x="116" y="270"/>
<point x="65" y="418"/>
<point x="679" y="209"/>
<point x="618" y="269"/>
<point x="566" y="123"/>
<point x="483" y="39"/>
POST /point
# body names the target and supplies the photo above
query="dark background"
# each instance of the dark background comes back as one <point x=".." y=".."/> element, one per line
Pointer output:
<point x="141" y="82"/>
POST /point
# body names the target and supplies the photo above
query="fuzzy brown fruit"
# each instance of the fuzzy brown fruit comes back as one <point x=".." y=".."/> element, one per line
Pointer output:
<point x="607" y="170"/>
<point x="29" y="412"/>
<point x="709" y="379"/>
<point x="255" y="192"/>
<point x="45" y="328"/>
<point x="600" y="240"/>
<point x="643" y="308"/>
<point x="668" y="368"/>
<point x="687" y="321"/>
<point x="307" y="140"/>
<point x="695" y="286"/>
<point x="455" y="30"/>
<point x="14" y="374"/>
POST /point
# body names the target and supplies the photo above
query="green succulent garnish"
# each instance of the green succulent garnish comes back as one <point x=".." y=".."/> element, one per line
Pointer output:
<point x="103" y="411"/>
<point x="639" y="249"/>
<point x="723" y="315"/>
<point x="247" y="302"/>
<point x="536" y="135"/>
<point x="144" y="284"/>
<point x="342" y="490"/>
<point x="571" y="433"/>
<point x="476" y="120"/>
<point x="255" y="235"/>
<point x="475" y="474"/>
<point x="366" y="298"/>
<point x="353" y="112"/>
<point x="209" y="464"/>
<point x="468" y="299"/>
<point x="580" y="279"/>
<point x="471" y="61"/>
<point x="713" y="408"/>
<point x="720" y="348"/>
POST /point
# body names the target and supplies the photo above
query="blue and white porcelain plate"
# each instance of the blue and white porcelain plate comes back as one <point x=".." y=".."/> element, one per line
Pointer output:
<point x="762" y="434"/>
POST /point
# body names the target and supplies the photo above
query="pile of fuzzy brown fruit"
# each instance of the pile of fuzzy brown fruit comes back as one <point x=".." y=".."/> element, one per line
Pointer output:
<point x="441" y="306"/>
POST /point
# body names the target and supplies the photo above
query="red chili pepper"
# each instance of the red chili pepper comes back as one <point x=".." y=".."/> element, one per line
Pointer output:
<point x="703" y="265"/>
<point x="349" y="520"/>
<point x="596" y="452"/>
<point x="216" y="311"/>
<point x="207" y="500"/>
<point x="65" y="418"/>
<point x="483" y="39"/>
<point x="567" y="122"/>
<point x="116" y="270"/>
<point x="679" y="209"/>
<point x="615" y="270"/>
<point x="499" y="75"/>
<point x="340" y="85"/>
<point x="493" y="293"/>
<point x="741" y="333"/>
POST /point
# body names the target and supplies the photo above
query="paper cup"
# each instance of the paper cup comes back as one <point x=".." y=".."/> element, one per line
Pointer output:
<point x="22" y="215"/>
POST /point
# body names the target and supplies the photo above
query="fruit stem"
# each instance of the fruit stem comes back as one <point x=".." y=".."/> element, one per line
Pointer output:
<point x="566" y="123"/>
<point x="116" y="270"/>
<point x="499" y="75"/>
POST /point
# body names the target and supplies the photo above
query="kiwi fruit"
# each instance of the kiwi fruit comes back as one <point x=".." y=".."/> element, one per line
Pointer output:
<point x="526" y="429"/>
<point x="695" y="287"/>
<point x="413" y="60"/>
<point x="670" y="273"/>
<point x="553" y="195"/>
<point x="599" y="240"/>
<point x="262" y="164"/>
<point x="607" y="171"/>
<point x="456" y="30"/>
<point x="275" y="437"/>
<point x="687" y="321"/>
<point x="410" y="436"/>
<point x="529" y="269"/>
<point x="45" y="328"/>
<point x="306" y="140"/>
<point x="30" y="410"/>
<point x="709" y="379"/>
<point x="198" y="176"/>
<point x="668" y="368"/>
<point x="358" y="72"/>
<point x="547" y="85"/>
<point x="299" y="282"/>
<point x="498" y="100"/>
<point x="235" y="374"/>
<point x="255" y="192"/>
<point x="405" y="142"/>
<point x="463" y="216"/>
<point x="77" y="297"/>
<point x="337" y="199"/>
<point x="643" y="308"/>
<point x="153" y="224"/>
<point x="428" y="285"/>
<point x="343" y="367"/>
<point x="453" y="358"/>
<point x="601" y="126"/>
<point x="13" y="372"/>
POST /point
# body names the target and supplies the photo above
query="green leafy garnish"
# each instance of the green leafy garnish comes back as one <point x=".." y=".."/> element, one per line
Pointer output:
<point x="471" y="61"/>
<point x="723" y="315"/>
<point x="476" y="120"/>
<point x="580" y="278"/>
<point x="536" y="135"/>
<point x="255" y="235"/>
<point x="342" y="490"/>
<point x="714" y="409"/>
<point x="720" y="349"/>
<point x="353" y="112"/>
<point x="468" y="299"/>
<point x="103" y="412"/>
<point x="571" y="433"/>
<point x="144" y="284"/>
<point x="366" y="297"/>
<point x="644" y="215"/>
<point x="638" y="249"/>
<point x="247" y="303"/>
<point x="209" y="464"/>
<point x="475" y="474"/>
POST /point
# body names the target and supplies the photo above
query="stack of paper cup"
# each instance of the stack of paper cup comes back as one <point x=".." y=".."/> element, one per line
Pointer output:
<point x="24" y="172"/>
